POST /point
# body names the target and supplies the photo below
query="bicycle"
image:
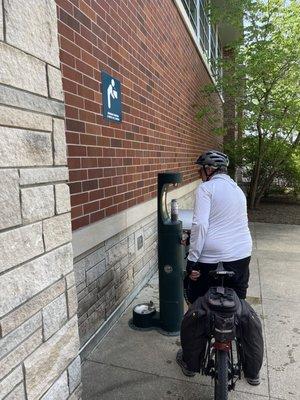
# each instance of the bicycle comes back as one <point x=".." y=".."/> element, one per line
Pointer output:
<point x="221" y="362"/>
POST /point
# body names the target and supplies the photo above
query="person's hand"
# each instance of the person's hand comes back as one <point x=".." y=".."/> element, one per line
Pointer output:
<point x="194" y="275"/>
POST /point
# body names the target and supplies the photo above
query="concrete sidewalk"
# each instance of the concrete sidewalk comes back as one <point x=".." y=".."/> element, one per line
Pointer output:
<point x="134" y="365"/>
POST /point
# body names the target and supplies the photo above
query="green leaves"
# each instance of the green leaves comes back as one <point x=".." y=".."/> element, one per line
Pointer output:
<point x="261" y="80"/>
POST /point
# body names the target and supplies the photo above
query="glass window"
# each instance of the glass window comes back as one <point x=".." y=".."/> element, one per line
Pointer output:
<point x="191" y="10"/>
<point x="207" y="34"/>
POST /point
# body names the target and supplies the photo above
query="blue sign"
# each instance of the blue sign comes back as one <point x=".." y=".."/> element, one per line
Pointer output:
<point x="111" y="95"/>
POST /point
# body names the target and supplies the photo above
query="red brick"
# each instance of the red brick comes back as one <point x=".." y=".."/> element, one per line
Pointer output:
<point x="159" y="131"/>
<point x="70" y="47"/>
<point x="75" y="125"/>
<point x="89" y="162"/>
<point x="79" y="199"/>
<point x="80" y="222"/>
<point x="74" y="163"/>
<point x="104" y="162"/>
<point x="111" y="210"/>
<point x="72" y="137"/>
<point x="85" y="92"/>
<point x="75" y="187"/>
<point x="111" y="191"/>
<point x="88" y="140"/>
<point x="73" y="100"/>
<point x="97" y="216"/>
<point x="78" y="175"/>
<point x="91" y="207"/>
<point x="96" y="194"/>
<point x="66" y="6"/>
<point x="106" y="202"/>
<point x="76" y="212"/>
<point x="72" y="112"/>
<point x="69" y="20"/>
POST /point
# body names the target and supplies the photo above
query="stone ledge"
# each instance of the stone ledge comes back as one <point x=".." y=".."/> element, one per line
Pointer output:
<point x="88" y="237"/>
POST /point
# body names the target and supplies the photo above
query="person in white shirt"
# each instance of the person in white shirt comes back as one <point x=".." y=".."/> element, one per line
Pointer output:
<point x="219" y="233"/>
<point x="220" y="230"/>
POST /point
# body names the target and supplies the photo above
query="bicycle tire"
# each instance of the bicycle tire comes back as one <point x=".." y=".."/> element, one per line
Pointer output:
<point x="221" y="377"/>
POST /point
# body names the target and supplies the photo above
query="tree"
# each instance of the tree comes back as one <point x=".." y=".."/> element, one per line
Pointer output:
<point x="263" y="76"/>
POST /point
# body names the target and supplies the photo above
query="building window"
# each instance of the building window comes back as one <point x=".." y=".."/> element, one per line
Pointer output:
<point x="206" y="32"/>
<point x="190" y="7"/>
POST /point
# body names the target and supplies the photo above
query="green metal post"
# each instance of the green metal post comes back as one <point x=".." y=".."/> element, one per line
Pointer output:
<point x="170" y="259"/>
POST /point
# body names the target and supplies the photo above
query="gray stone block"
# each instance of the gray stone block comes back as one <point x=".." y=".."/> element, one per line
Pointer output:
<point x="80" y="267"/>
<point x="10" y="210"/>
<point x="33" y="76"/>
<point x="82" y="293"/>
<point x="54" y="316"/>
<point x="37" y="203"/>
<point x="24" y="312"/>
<point x="11" y="381"/>
<point x="20" y="284"/>
<point x="18" y="393"/>
<point x="59" y="390"/>
<point x="20" y="245"/>
<point x="16" y="356"/>
<point x="117" y="252"/>
<point x="55" y="83"/>
<point x="72" y="301"/>
<point x="91" y="324"/>
<point x="150" y="229"/>
<point x="59" y="140"/>
<point x="87" y="302"/>
<point x="30" y="176"/>
<point x="76" y="395"/>
<point x="63" y="348"/>
<point x="24" y="119"/>
<point x="105" y="280"/>
<point x="62" y="198"/>
<point x="1" y="22"/>
<point x="57" y="231"/>
<point x="32" y="26"/>
<point x="11" y="341"/>
<point x="95" y="272"/>
<point x="29" y="101"/>
<point x="22" y="148"/>
<point x="74" y="374"/>
<point x="70" y="279"/>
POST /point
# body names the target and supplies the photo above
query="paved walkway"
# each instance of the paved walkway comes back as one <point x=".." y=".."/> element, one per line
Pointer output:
<point x="134" y="365"/>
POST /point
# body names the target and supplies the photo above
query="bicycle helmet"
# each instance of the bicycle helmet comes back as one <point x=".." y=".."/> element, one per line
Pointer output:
<point x="214" y="159"/>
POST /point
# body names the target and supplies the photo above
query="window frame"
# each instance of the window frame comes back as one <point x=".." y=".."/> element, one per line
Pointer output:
<point x="203" y="48"/>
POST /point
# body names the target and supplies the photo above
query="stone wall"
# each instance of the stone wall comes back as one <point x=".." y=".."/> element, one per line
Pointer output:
<point x="112" y="271"/>
<point x="38" y="304"/>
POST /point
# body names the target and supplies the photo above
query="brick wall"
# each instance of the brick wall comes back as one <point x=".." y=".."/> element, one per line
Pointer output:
<point x="146" y="46"/>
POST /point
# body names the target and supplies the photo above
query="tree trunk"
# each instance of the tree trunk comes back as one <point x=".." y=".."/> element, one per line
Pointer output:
<point x="257" y="169"/>
<point x="254" y="184"/>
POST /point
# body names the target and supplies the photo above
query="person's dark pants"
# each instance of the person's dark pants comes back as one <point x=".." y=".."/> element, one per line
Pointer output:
<point x="239" y="282"/>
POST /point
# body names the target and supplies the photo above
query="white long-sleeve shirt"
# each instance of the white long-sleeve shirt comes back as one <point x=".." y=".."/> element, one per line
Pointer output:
<point x="220" y="224"/>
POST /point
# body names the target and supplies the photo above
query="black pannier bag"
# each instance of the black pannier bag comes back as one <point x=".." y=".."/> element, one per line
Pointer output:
<point x="195" y="328"/>
<point x="237" y="317"/>
<point x="250" y="335"/>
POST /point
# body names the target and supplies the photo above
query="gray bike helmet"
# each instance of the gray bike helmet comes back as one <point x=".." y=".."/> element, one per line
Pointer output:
<point x="213" y="158"/>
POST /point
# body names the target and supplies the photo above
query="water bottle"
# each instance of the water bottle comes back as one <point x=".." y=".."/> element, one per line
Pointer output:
<point x="174" y="210"/>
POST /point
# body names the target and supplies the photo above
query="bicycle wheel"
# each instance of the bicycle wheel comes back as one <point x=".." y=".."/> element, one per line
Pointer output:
<point x="221" y="377"/>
